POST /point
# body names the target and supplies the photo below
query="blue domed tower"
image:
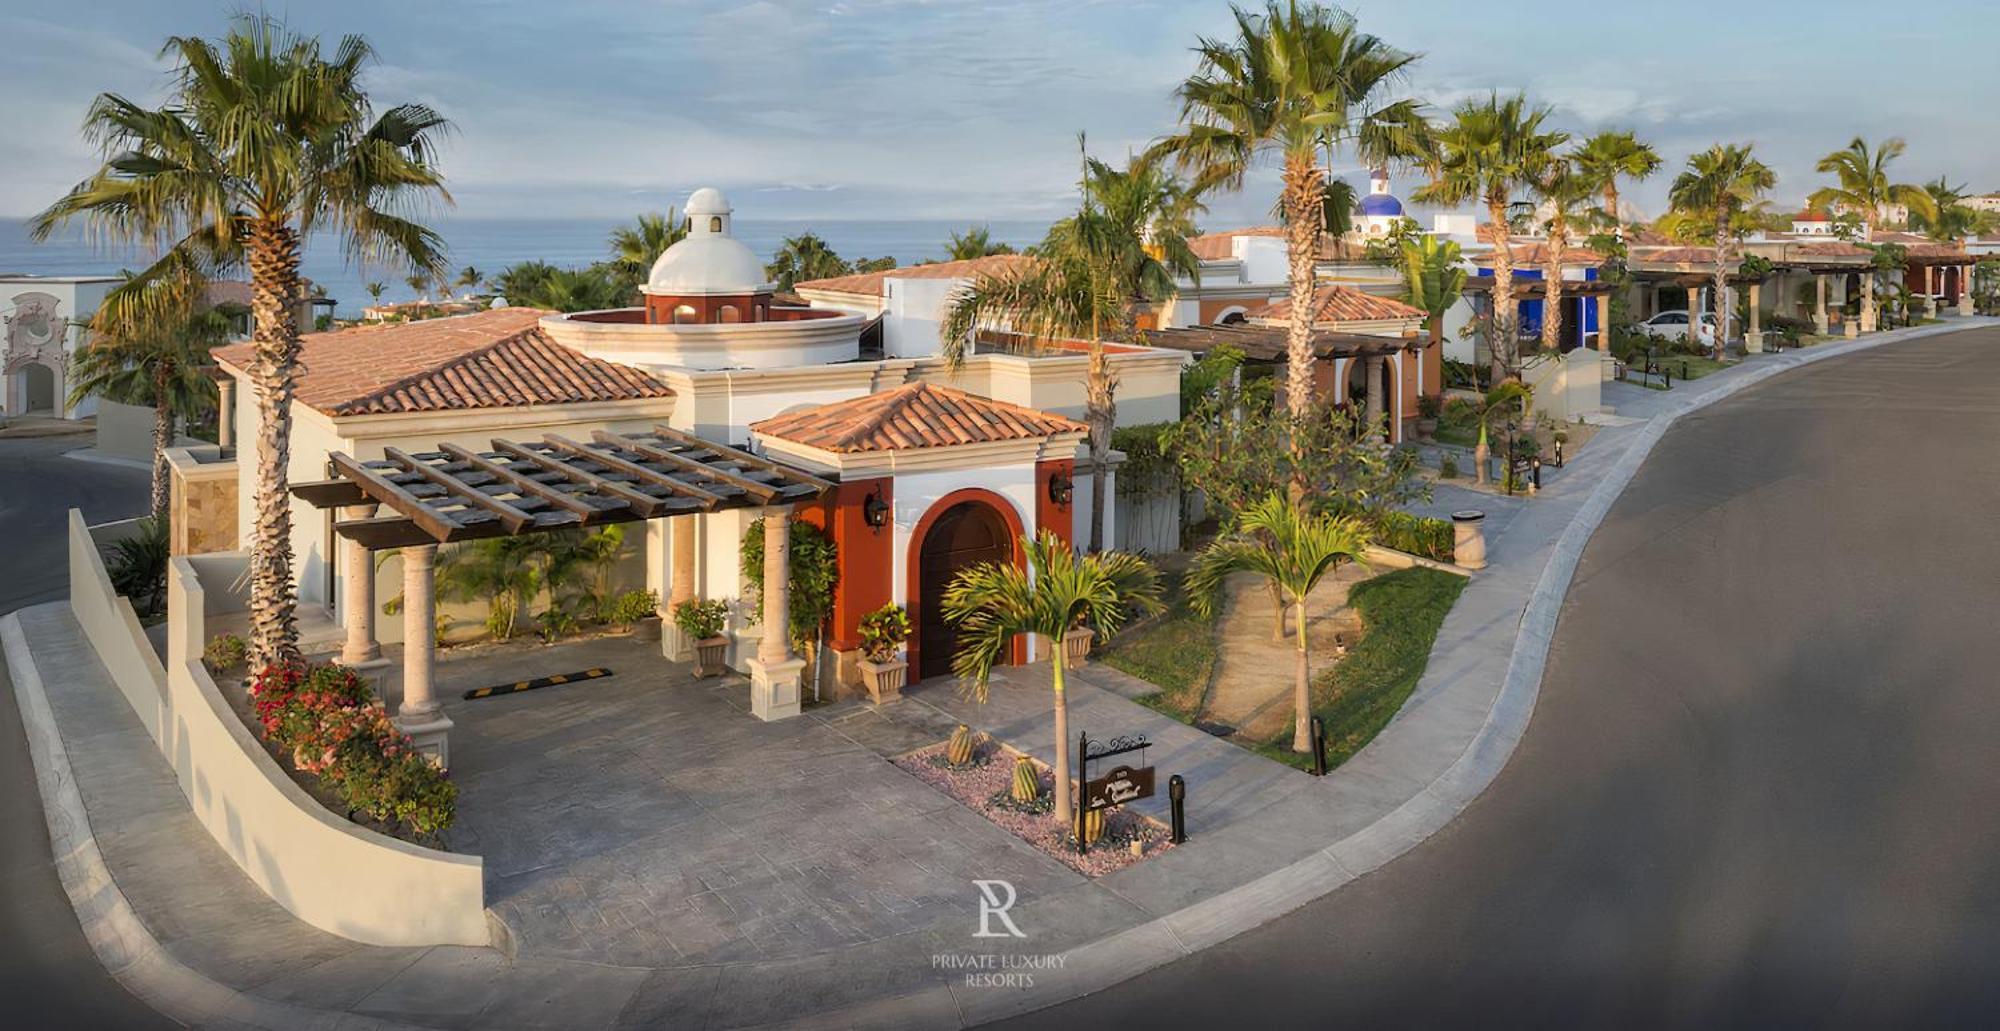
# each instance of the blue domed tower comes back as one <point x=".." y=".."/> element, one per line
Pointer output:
<point x="1380" y="209"/>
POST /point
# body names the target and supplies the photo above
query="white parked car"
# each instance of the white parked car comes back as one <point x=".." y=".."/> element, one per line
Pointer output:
<point x="1673" y="325"/>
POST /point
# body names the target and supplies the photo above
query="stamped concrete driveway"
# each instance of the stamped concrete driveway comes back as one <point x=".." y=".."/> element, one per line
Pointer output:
<point x="1762" y="784"/>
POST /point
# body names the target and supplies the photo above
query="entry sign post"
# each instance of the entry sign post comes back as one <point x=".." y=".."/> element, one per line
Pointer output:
<point x="1121" y="784"/>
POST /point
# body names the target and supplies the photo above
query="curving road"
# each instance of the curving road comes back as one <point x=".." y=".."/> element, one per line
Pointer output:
<point x="49" y="977"/>
<point x="1762" y="782"/>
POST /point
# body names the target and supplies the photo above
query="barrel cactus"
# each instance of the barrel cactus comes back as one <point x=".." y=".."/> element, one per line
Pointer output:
<point x="958" y="751"/>
<point x="1090" y="826"/>
<point x="1027" y="781"/>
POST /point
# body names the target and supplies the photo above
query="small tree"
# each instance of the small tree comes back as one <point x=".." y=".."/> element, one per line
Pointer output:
<point x="814" y="563"/>
<point x="1507" y="400"/>
<point x="993" y="602"/>
<point x="1293" y="551"/>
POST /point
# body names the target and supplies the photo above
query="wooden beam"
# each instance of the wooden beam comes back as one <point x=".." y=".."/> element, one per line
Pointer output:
<point x="762" y="490"/>
<point x="331" y="493"/>
<point x="458" y="490"/>
<point x="708" y="499"/>
<point x="644" y="506"/>
<point x="535" y="488"/>
<point x="745" y="458"/>
<point x="440" y="525"/>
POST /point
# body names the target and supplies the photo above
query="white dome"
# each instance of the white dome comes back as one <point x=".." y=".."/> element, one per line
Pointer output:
<point x="709" y="260"/>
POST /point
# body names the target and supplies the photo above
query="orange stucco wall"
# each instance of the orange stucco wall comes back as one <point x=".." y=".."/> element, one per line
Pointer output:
<point x="1057" y="519"/>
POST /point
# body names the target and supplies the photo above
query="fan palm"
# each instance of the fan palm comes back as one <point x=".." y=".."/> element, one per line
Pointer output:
<point x="1490" y="148"/>
<point x="1293" y="551"/>
<point x="636" y="247"/>
<point x="264" y="142"/>
<point x="1607" y="156"/>
<point x="1294" y="79"/>
<point x="804" y="258"/>
<point x="149" y="347"/>
<point x="976" y="242"/>
<point x="1862" y="190"/>
<point x="993" y="602"/>
<point x="1721" y="183"/>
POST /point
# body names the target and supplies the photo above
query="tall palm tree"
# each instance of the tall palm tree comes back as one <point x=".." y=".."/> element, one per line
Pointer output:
<point x="804" y="258"/>
<point x="1566" y="193"/>
<point x="976" y="242"/>
<point x="1862" y="190"/>
<point x="1607" y="156"/>
<point x="1293" y="551"/>
<point x="1948" y="218"/>
<point x="1490" y="148"/>
<point x="1722" y="183"/>
<point x="469" y="277"/>
<point x="1294" y="79"/>
<point x="993" y="602"/>
<point x="1433" y="278"/>
<point x="263" y="142"/>
<point x="375" y="291"/>
<point x="149" y="347"/>
<point x="634" y="248"/>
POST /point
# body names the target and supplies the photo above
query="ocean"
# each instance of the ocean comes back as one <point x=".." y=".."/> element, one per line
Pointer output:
<point x="490" y="245"/>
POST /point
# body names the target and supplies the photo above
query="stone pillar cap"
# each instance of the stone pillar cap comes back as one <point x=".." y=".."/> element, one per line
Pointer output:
<point x="1467" y="516"/>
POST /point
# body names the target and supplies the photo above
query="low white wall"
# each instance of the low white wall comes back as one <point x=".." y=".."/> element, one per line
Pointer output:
<point x="113" y="630"/>
<point x="332" y="874"/>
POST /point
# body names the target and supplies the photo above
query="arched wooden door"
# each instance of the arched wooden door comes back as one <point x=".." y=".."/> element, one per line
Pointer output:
<point x="967" y="534"/>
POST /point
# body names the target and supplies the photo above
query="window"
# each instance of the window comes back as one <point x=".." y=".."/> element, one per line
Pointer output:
<point x="715" y="223"/>
<point x="728" y="313"/>
<point x="686" y="313"/>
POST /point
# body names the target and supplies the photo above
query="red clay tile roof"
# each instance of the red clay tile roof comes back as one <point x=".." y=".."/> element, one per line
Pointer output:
<point x="1335" y="303"/>
<point x="915" y="415"/>
<point x="1216" y="246"/>
<point x="1676" y="255"/>
<point x="873" y="284"/>
<point x="492" y="359"/>
<point x="1537" y="253"/>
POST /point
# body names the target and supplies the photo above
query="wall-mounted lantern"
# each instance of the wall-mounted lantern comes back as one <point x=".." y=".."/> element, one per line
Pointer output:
<point x="875" y="511"/>
<point x="1060" y="489"/>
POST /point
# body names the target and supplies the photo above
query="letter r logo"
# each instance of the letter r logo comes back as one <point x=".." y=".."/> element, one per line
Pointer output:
<point x="995" y="899"/>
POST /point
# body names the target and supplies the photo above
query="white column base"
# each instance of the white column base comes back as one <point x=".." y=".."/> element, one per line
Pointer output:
<point x="675" y="646"/>
<point x="1853" y="328"/>
<point x="1819" y="326"/>
<point x="430" y="735"/>
<point x="1964" y="306"/>
<point x="1753" y="343"/>
<point x="774" y="689"/>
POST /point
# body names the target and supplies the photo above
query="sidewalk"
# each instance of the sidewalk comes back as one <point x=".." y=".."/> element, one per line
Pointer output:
<point x="200" y="943"/>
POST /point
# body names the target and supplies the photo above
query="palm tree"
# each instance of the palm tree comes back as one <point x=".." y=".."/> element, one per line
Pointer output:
<point x="1722" y="183"/>
<point x="569" y="290"/>
<point x="975" y="242"/>
<point x="1294" y="79"/>
<point x="263" y="143"/>
<point x="149" y="346"/>
<point x="1433" y="278"/>
<point x="1605" y="157"/>
<point x="420" y="285"/>
<point x="1491" y="147"/>
<point x="375" y="292"/>
<point x="634" y="248"/>
<point x="1863" y="190"/>
<point x="1505" y="400"/>
<point x="1949" y="217"/>
<point x="469" y="277"/>
<point x="1293" y="551"/>
<point x="804" y="258"/>
<point x="1566" y="194"/>
<point x="1059" y="590"/>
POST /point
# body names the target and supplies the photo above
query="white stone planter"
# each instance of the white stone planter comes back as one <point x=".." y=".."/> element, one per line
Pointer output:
<point x="885" y="680"/>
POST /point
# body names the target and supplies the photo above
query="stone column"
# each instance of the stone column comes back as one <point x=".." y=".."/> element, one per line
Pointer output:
<point x="225" y="411"/>
<point x="1965" y="289"/>
<point x="774" y="673"/>
<point x="1753" y="339"/>
<point x="1869" y="287"/>
<point x="1819" y="313"/>
<point x="1604" y="323"/>
<point x="1372" y="408"/>
<point x="682" y="530"/>
<point x="360" y="649"/>
<point x="420" y="716"/>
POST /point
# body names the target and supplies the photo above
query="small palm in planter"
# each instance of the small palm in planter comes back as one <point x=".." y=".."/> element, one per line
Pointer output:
<point x="883" y="632"/>
<point x="702" y="622"/>
<point x="1429" y="407"/>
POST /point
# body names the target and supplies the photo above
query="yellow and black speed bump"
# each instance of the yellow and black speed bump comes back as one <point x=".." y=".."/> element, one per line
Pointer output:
<point x="519" y="686"/>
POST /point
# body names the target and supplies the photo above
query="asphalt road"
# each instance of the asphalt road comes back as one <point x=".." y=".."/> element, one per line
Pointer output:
<point x="49" y="978"/>
<point x="1762" y="783"/>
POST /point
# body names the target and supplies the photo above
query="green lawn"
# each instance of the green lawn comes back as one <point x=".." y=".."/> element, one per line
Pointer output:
<point x="1356" y="699"/>
<point x="1175" y="652"/>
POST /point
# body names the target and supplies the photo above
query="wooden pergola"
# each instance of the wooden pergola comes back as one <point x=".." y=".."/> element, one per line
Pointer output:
<point x="456" y="494"/>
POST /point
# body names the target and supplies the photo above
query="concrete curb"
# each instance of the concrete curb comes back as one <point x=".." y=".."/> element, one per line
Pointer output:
<point x="88" y="454"/>
<point x="123" y="944"/>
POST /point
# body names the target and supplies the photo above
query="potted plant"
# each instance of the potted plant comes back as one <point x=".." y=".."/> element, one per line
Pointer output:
<point x="1076" y="645"/>
<point x="883" y="632"/>
<point x="637" y="611"/>
<point x="702" y="622"/>
<point x="1429" y="407"/>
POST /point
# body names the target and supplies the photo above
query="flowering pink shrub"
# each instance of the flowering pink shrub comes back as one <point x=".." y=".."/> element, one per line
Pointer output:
<point x="335" y="728"/>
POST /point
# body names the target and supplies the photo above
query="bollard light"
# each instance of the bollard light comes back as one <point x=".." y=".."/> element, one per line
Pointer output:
<point x="1177" y="816"/>
<point x="1319" y="747"/>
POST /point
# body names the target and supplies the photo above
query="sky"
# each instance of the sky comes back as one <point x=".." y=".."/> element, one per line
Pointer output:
<point x="887" y="109"/>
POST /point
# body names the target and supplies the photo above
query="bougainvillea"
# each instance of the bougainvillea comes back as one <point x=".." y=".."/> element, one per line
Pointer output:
<point x="328" y="720"/>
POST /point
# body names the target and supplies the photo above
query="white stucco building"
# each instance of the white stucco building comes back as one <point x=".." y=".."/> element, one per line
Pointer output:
<point x="44" y="321"/>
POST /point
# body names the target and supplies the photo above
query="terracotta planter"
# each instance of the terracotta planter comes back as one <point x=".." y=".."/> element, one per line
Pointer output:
<point x="884" y="679"/>
<point x="709" y="656"/>
<point x="1076" y="647"/>
<point x="647" y="629"/>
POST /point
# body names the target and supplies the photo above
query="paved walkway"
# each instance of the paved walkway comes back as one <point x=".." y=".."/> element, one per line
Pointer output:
<point x="1253" y="685"/>
<point x="1265" y="839"/>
